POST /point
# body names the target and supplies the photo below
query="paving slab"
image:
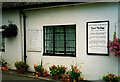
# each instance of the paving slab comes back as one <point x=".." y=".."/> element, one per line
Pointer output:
<point x="14" y="75"/>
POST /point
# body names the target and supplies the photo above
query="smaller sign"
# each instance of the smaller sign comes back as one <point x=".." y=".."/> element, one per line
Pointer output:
<point x="34" y="39"/>
<point x="97" y="38"/>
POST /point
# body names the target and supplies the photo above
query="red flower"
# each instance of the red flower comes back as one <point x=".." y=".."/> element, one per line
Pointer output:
<point x="79" y="71"/>
<point x="45" y="75"/>
<point x="63" y="77"/>
<point x="35" y="65"/>
<point x="68" y="77"/>
<point x="65" y="74"/>
<point x="54" y="66"/>
<point x="75" y="70"/>
<point x="111" y="74"/>
<point x="68" y="80"/>
<point x="75" y="67"/>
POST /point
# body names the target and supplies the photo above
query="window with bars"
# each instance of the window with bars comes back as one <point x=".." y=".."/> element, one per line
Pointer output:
<point x="2" y="44"/>
<point x="60" y="40"/>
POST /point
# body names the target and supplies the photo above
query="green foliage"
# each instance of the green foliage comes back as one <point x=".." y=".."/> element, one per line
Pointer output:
<point x="54" y="70"/>
<point x="74" y="73"/>
<point x="111" y="77"/>
<point x="21" y="65"/>
<point x="61" y="69"/>
<point x="39" y="68"/>
<point x="114" y="36"/>
<point x="10" y="30"/>
<point x="4" y="63"/>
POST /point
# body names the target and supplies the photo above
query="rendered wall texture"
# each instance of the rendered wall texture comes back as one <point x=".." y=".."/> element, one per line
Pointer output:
<point x="93" y="67"/>
<point x="13" y="45"/>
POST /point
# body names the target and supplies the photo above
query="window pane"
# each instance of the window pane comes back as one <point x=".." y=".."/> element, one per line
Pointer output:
<point x="49" y="47"/>
<point x="49" y="37"/>
<point x="70" y="29"/>
<point x="70" y="39"/>
<point x="70" y="44"/>
<point x="59" y="47"/>
<point x="59" y="40"/>
<point x="59" y="29"/>
<point x="59" y="37"/>
<point x="70" y="51"/>
<point x="48" y="40"/>
<point x="48" y="29"/>
<point x="70" y="36"/>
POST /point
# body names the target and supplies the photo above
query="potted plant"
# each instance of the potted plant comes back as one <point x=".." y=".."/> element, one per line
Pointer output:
<point x="40" y="70"/>
<point x="21" y="66"/>
<point x="10" y="31"/>
<point x="62" y="69"/>
<point x="74" y="75"/>
<point x="115" y="47"/>
<point x="45" y="73"/>
<point x="111" y="78"/>
<point x="66" y="78"/>
<point x="56" y="71"/>
<point x="4" y="64"/>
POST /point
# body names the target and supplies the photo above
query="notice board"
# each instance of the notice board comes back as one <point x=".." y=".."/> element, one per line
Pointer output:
<point x="34" y="39"/>
<point x="97" y="37"/>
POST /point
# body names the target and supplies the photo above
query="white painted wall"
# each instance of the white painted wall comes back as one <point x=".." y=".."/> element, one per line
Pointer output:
<point x="13" y="50"/>
<point x="93" y="67"/>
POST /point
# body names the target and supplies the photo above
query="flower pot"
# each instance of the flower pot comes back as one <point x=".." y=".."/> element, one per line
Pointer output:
<point x="21" y="71"/>
<point x="112" y="81"/>
<point x="4" y="68"/>
<point x="55" y="76"/>
<point x="66" y="80"/>
<point x="39" y="74"/>
<point x="74" y="80"/>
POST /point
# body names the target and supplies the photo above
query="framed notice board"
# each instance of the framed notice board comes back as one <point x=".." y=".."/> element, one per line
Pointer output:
<point x="97" y="37"/>
<point x="34" y="40"/>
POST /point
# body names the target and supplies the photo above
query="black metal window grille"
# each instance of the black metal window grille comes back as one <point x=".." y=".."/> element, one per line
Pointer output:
<point x="60" y="40"/>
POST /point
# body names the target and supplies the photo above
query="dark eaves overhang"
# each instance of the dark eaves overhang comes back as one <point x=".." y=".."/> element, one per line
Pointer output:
<point x="25" y="5"/>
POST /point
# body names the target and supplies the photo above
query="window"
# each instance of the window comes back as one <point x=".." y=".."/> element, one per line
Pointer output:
<point x="2" y="45"/>
<point x="60" y="40"/>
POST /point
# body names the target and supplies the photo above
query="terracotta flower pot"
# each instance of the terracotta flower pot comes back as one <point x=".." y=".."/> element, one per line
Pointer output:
<point x="112" y="81"/>
<point x="55" y="76"/>
<point x="65" y="80"/>
<point x="74" y="80"/>
<point x="4" y="68"/>
<point x="39" y="74"/>
<point x="21" y="71"/>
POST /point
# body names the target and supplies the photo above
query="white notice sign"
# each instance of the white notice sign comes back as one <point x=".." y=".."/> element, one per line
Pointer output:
<point x="34" y="39"/>
<point x="97" y="37"/>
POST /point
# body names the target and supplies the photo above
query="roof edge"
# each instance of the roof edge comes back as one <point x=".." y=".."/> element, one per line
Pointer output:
<point x="50" y="4"/>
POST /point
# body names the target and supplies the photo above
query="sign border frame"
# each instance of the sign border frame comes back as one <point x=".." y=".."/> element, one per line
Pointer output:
<point x="97" y="54"/>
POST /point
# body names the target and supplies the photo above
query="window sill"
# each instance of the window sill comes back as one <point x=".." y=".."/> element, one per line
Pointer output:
<point x="62" y="55"/>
